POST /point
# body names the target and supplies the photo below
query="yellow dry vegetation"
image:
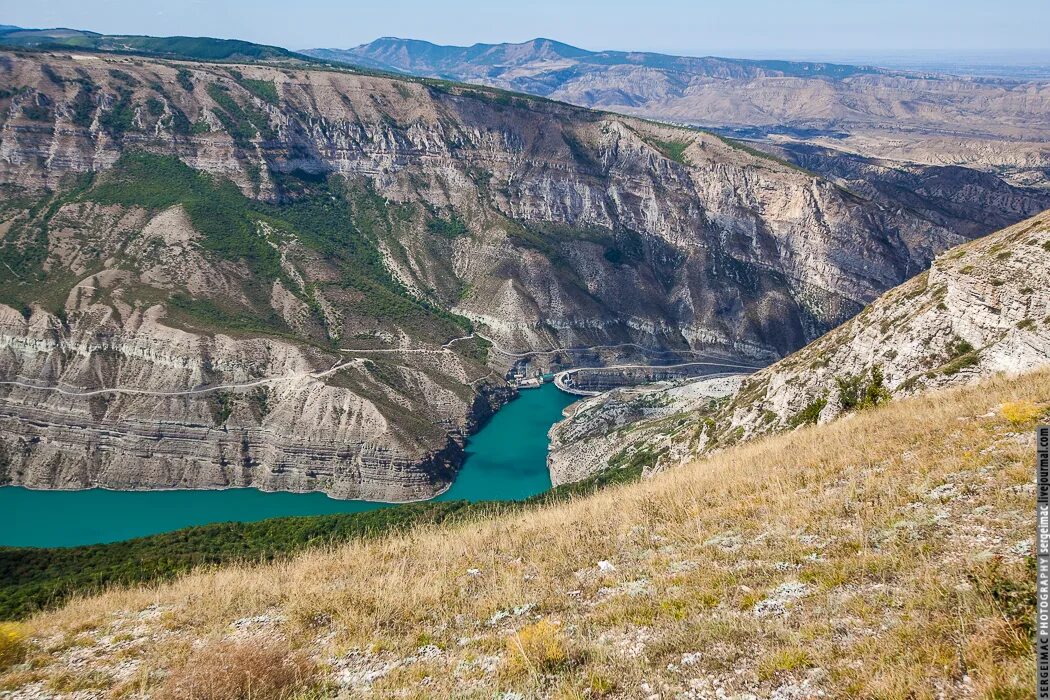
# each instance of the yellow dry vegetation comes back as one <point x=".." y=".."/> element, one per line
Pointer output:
<point x="1020" y="412"/>
<point x="536" y="649"/>
<point x="882" y="556"/>
<point x="12" y="644"/>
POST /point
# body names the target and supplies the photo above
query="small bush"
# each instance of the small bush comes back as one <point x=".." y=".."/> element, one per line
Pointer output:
<point x="263" y="89"/>
<point x="13" y="645"/>
<point x="810" y="414"/>
<point x="451" y="228"/>
<point x="960" y="363"/>
<point x="83" y="106"/>
<point x="240" y="671"/>
<point x="537" y="648"/>
<point x="1020" y="412"/>
<point x="185" y="79"/>
<point x="36" y="112"/>
<point x="959" y="347"/>
<point x="120" y="118"/>
<point x="855" y="393"/>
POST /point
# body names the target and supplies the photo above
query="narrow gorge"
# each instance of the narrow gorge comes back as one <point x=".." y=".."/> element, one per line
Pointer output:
<point x="221" y="275"/>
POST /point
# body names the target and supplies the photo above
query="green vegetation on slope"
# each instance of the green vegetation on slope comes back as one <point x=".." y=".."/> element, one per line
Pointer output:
<point x="216" y="207"/>
<point x="452" y="227"/>
<point x="340" y="221"/>
<point x="201" y="48"/>
<point x="242" y="122"/>
<point x="741" y="146"/>
<point x="674" y="150"/>
<point x="343" y="221"/>
<point x="33" y="579"/>
<point x="856" y="393"/>
<point x="38" y="578"/>
<point x="24" y="249"/>
<point x="263" y="89"/>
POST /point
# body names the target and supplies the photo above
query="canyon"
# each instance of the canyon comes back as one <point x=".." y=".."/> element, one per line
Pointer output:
<point x="981" y="310"/>
<point x="268" y="274"/>
<point x="912" y="120"/>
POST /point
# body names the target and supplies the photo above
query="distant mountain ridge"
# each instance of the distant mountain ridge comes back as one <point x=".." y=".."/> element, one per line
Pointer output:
<point x="201" y="48"/>
<point x="497" y="60"/>
<point x="998" y="126"/>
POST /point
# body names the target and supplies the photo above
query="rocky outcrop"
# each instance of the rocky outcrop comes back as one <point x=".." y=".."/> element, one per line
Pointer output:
<point x="963" y="199"/>
<point x="609" y="430"/>
<point x="587" y="381"/>
<point x="983" y="308"/>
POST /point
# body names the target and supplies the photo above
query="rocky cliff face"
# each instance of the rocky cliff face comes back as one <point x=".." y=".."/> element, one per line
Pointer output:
<point x="998" y="126"/>
<point x="199" y="411"/>
<point x="726" y="91"/>
<point x="963" y="199"/>
<point x="372" y="220"/>
<point x="983" y="308"/>
<point x="629" y="428"/>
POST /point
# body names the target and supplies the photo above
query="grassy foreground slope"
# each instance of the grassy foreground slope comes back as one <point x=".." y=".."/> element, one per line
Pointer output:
<point x="35" y="578"/>
<point x="884" y="555"/>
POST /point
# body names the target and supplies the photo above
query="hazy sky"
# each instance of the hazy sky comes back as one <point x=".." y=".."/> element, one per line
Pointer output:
<point x="679" y="26"/>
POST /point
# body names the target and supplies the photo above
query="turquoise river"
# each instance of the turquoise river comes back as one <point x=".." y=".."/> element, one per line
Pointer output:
<point x="506" y="460"/>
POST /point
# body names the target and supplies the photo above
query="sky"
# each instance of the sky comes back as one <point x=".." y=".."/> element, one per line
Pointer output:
<point x="760" y="28"/>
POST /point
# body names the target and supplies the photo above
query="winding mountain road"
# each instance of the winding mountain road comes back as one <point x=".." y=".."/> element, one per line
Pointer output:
<point x="560" y="377"/>
<point x="81" y="393"/>
<point x="447" y="347"/>
<point x="530" y="353"/>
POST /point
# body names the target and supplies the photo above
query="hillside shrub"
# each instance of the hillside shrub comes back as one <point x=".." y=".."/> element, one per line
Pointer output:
<point x="857" y="392"/>
<point x="120" y="118"/>
<point x="84" y="105"/>
<point x="674" y="150"/>
<point x="265" y="90"/>
<point x="810" y="414"/>
<point x="961" y="362"/>
<point x="185" y="79"/>
<point x="453" y="227"/>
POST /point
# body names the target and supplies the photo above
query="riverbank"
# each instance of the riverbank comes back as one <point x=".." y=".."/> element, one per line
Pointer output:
<point x="506" y="460"/>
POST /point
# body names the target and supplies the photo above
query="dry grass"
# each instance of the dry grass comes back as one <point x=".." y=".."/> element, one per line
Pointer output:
<point x="536" y="650"/>
<point x="240" y="670"/>
<point x="12" y="644"/>
<point x="880" y="556"/>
